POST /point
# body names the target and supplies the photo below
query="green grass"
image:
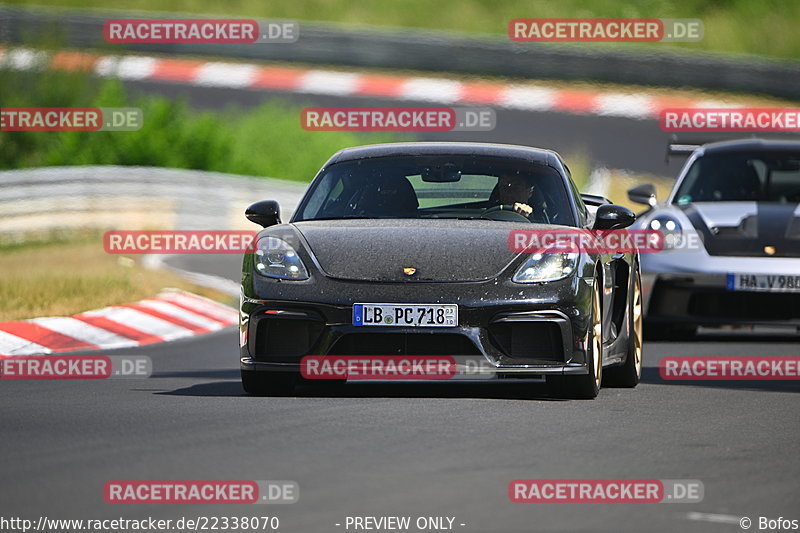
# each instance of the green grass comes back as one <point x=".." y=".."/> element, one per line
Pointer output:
<point x="87" y="278"/>
<point x="265" y="141"/>
<point x="765" y="27"/>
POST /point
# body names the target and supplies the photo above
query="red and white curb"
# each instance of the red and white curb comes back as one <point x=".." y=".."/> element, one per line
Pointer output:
<point x="173" y="314"/>
<point x="523" y="96"/>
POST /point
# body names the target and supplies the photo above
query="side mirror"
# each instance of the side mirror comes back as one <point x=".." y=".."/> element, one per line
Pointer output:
<point x="643" y="194"/>
<point x="613" y="216"/>
<point x="264" y="213"/>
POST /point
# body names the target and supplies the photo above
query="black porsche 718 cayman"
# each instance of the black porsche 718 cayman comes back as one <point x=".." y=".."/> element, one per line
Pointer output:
<point x="425" y="226"/>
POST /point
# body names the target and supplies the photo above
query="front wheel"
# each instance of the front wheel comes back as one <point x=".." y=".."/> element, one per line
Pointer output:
<point x="268" y="383"/>
<point x="629" y="374"/>
<point x="587" y="386"/>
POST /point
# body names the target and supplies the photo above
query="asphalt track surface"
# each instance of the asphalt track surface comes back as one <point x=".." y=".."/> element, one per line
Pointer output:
<point x="444" y="449"/>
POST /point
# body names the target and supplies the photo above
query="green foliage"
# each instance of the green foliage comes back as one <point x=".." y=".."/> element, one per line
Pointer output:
<point x="265" y="141"/>
<point x="764" y="27"/>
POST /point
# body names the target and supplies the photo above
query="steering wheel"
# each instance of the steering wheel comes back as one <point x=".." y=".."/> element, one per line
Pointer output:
<point x="503" y="212"/>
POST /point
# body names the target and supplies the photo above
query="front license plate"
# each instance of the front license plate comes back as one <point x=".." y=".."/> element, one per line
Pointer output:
<point x="764" y="282"/>
<point x="416" y="315"/>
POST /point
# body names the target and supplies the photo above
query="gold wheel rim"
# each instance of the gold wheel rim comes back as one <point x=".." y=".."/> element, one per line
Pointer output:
<point x="597" y="338"/>
<point x="637" y="324"/>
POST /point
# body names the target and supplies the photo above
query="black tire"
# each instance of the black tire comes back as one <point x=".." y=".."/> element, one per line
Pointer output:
<point x="629" y="374"/>
<point x="268" y="383"/>
<point x="586" y="386"/>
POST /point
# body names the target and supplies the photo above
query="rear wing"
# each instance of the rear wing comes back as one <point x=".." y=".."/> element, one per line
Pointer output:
<point x="595" y="199"/>
<point x="685" y="149"/>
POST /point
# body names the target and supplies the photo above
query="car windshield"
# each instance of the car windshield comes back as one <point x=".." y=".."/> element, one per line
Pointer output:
<point x="461" y="186"/>
<point x="740" y="177"/>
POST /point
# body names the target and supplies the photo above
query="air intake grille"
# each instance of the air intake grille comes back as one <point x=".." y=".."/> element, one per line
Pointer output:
<point x="539" y="341"/>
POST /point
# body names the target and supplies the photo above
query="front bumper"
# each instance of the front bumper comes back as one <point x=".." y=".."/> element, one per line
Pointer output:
<point x="518" y="331"/>
<point x="691" y="288"/>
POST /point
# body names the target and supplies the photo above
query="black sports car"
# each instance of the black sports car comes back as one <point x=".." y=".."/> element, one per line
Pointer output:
<point x="425" y="227"/>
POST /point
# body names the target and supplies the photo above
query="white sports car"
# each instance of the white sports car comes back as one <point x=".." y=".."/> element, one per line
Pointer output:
<point x="731" y="228"/>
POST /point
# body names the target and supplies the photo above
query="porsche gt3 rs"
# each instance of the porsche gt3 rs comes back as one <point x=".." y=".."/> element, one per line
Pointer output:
<point x="731" y="226"/>
<point x="403" y="249"/>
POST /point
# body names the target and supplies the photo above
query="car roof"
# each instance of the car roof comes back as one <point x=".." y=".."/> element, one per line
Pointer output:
<point x="524" y="153"/>
<point x="744" y="145"/>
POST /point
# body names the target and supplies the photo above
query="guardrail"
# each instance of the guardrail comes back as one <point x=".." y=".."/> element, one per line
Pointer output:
<point x="53" y="199"/>
<point x="423" y="50"/>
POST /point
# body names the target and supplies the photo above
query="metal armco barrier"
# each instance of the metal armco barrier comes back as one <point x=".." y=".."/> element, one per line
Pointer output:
<point x="419" y="50"/>
<point x="42" y="200"/>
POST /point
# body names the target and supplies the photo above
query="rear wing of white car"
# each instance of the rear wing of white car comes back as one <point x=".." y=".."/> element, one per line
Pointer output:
<point x="683" y="149"/>
<point x="677" y="148"/>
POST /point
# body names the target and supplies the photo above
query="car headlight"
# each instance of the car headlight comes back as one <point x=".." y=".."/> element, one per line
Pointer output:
<point x="275" y="258"/>
<point x="541" y="267"/>
<point x="670" y="228"/>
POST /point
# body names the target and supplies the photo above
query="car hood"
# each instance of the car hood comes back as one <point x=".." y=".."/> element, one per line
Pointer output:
<point x="747" y="228"/>
<point x="439" y="250"/>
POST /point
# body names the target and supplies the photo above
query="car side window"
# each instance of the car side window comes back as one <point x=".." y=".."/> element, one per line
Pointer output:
<point x="322" y="204"/>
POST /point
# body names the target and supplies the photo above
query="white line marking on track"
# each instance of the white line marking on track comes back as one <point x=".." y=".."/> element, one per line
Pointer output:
<point x="711" y="517"/>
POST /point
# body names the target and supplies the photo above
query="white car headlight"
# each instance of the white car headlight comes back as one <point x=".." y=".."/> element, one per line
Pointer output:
<point x="541" y="267"/>
<point x="670" y="228"/>
<point x="275" y="258"/>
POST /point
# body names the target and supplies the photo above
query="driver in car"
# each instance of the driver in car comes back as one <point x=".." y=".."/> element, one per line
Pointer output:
<point x="511" y="188"/>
